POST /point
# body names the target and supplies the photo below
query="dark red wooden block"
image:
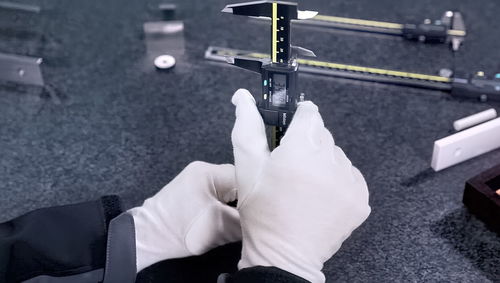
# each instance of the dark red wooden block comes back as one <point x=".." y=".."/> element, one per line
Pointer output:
<point x="482" y="197"/>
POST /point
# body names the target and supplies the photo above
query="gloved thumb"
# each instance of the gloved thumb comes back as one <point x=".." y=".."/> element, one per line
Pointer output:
<point x="249" y="142"/>
<point x="249" y="132"/>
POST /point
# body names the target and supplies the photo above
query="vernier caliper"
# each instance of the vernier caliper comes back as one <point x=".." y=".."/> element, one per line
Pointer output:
<point x="279" y="72"/>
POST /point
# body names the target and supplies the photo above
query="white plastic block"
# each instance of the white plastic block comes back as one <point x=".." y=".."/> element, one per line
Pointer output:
<point x="466" y="144"/>
<point x="475" y="119"/>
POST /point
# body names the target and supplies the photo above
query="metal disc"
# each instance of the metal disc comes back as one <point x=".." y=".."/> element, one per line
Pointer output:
<point x="164" y="62"/>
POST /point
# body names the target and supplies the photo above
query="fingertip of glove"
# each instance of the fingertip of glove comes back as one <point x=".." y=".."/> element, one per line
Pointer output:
<point x="230" y="196"/>
<point x="240" y="95"/>
<point x="308" y="110"/>
<point x="307" y="105"/>
<point x="366" y="213"/>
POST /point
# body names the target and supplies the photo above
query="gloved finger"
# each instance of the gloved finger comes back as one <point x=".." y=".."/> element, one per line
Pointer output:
<point x="357" y="175"/>
<point x="229" y="196"/>
<point x="306" y="129"/>
<point x="249" y="142"/>
<point x="336" y="154"/>
<point x="218" y="180"/>
<point x="249" y="132"/>
<point x="327" y="140"/>
<point x="341" y="159"/>
<point x="327" y="145"/>
<point x="362" y="193"/>
<point x="223" y="178"/>
<point x="219" y="224"/>
<point x="230" y="228"/>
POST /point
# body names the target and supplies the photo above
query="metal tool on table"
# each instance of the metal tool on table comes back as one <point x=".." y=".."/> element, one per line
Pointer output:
<point x="168" y="10"/>
<point x="449" y="29"/>
<point x="164" y="39"/>
<point x="17" y="68"/>
<point x="19" y="7"/>
<point x="14" y="17"/>
<point x="477" y="86"/>
<point x="279" y="71"/>
<point x="21" y="69"/>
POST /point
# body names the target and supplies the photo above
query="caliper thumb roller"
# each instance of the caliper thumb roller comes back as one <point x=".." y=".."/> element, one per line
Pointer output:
<point x="279" y="73"/>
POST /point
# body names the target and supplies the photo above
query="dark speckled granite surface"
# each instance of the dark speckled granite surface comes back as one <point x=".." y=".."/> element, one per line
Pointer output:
<point x="116" y="126"/>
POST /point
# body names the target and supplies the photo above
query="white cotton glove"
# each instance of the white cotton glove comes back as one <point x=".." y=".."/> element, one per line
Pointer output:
<point x="300" y="202"/>
<point x="188" y="216"/>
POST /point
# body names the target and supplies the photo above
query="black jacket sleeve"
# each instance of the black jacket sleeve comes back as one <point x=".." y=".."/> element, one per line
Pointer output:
<point x="94" y="242"/>
<point x="57" y="242"/>
<point x="261" y="274"/>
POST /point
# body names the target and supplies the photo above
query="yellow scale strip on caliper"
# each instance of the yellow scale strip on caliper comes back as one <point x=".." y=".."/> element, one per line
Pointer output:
<point x="358" y="22"/>
<point x="274" y="33"/>
<point x="456" y="32"/>
<point x="378" y="24"/>
<point x="373" y="70"/>
<point x="362" y="69"/>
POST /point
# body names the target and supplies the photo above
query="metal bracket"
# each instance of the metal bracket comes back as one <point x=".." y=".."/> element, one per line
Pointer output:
<point x="17" y="68"/>
<point x="21" y="69"/>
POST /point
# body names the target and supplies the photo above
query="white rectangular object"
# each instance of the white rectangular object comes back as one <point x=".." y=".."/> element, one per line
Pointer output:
<point x="475" y="119"/>
<point x="465" y="145"/>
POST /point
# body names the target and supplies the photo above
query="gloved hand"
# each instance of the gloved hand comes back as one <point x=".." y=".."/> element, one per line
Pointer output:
<point x="188" y="216"/>
<point x="298" y="203"/>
